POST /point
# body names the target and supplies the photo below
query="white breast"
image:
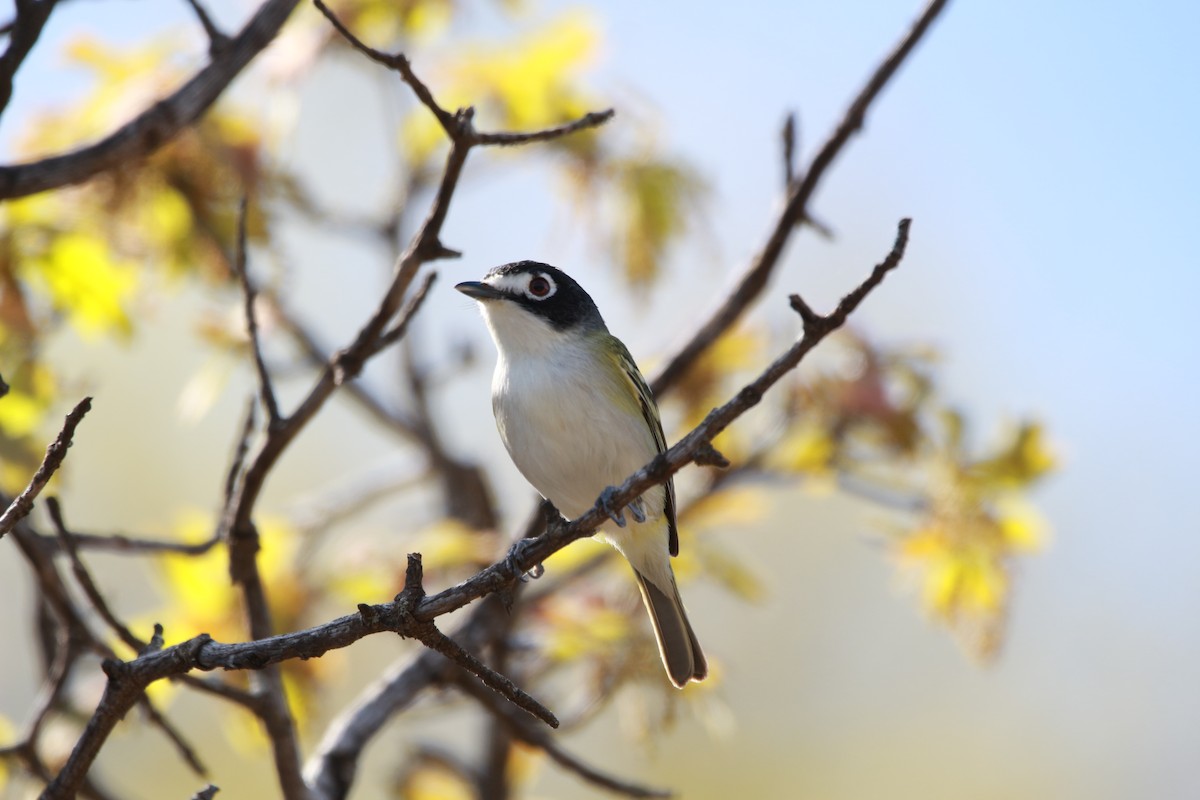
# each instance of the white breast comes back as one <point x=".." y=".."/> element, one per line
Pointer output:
<point x="563" y="431"/>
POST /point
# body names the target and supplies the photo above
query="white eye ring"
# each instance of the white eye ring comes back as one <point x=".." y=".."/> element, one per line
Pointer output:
<point x="540" y="287"/>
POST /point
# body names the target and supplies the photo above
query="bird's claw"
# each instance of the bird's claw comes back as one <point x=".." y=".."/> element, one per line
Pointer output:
<point x="516" y="554"/>
<point x="637" y="509"/>
<point x="606" y="503"/>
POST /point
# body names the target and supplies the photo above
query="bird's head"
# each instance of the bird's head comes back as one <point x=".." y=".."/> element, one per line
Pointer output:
<point x="530" y="306"/>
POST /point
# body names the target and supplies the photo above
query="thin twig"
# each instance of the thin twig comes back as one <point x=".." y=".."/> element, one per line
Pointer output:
<point x="592" y="119"/>
<point x="789" y="149"/>
<point x="397" y="331"/>
<point x="218" y="41"/>
<point x="754" y="280"/>
<point x="429" y="635"/>
<point x="55" y="453"/>
<point x="541" y="739"/>
<point x="84" y="578"/>
<point x="182" y="745"/>
<point x="265" y="389"/>
<point x="249" y="421"/>
<point x="121" y="543"/>
<point x="398" y="63"/>
<point x="331" y="769"/>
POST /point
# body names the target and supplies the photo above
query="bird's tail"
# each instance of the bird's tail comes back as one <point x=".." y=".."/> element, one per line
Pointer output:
<point x="677" y="644"/>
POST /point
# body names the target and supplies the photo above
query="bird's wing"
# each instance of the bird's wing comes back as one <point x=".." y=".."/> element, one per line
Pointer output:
<point x="650" y="414"/>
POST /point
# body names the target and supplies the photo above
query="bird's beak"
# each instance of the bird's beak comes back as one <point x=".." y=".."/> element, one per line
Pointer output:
<point x="479" y="291"/>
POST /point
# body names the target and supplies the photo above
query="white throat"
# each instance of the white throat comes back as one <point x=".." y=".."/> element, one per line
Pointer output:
<point x="521" y="334"/>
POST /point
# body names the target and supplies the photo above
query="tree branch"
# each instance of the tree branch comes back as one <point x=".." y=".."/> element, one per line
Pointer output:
<point x="158" y="124"/>
<point x="26" y="28"/>
<point x="55" y="453"/>
<point x="331" y="769"/>
<point x="752" y="282"/>
<point x="541" y="739"/>
<point x="217" y="40"/>
<point x="265" y="389"/>
<point x="427" y="633"/>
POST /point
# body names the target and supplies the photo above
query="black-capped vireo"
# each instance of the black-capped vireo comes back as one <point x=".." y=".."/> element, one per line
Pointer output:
<point x="578" y="418"/>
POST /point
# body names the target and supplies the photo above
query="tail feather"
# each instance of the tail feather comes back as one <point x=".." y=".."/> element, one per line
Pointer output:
<point x="681" y="654"/>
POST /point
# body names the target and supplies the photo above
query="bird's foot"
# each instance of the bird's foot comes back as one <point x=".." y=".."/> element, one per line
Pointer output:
<point x="516" y="554"/>
<point x="637" y="508"/>
<point x="606" y="503"/>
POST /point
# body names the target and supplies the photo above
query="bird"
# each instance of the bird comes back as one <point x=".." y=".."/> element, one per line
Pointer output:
<point x="577" y="419"/>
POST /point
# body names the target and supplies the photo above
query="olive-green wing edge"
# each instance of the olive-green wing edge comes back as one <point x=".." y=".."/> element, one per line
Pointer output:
<point x="650" y="414"/>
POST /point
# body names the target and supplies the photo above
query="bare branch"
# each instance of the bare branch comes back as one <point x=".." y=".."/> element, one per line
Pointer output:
<point x="592" y="119"/>
<point x="120" y="543"/>
<point x="218" y="41"/>
<point x="752" y="282"/>
<point x="239" y="455"/>
<point x="331" y="768"/>
<point x="159" y="123"/>
<point x="55" y="453"/>
<point x="396" y="333"/>
<point x="397" y="63"/>
<point x="458" y="125"/>
<point x="541" y="738"/>
<point x="23" y="35"/>
<point x="265" y="389"/>
<point x="789" y="149"/>
<point x="84" y="579"/>
<point x="428" y="634"/>
<point x="182" y="746"/>
<point x="207" y="793"/>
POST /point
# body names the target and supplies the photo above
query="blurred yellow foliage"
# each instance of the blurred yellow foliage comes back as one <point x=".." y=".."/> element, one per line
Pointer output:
<point x="974" y="526"/>
<point x="451" y="543"/>
<point x="433" y="780"/>
<point x="582" y="628"/>
<point x="1024" y="459"/>
<point x="385" y="21"/>
<point x="8" y="732"/>
<point x="127" y="80"/>
<point x="722" y="511"/>
<point x="527" y="84"/>
<point x="87" y="282"/>
<point x="521" y="85"/>
<point x="579" y="553"/>
<point x="200" y="596"/>
<point x="710" y="379"/>
<point x="655" y="197"/>
<point x="807" y="447"/>
<point x="31" y="390"/>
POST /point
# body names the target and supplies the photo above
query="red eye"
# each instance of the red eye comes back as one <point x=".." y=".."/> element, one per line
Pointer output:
<point x="539" y="286"/>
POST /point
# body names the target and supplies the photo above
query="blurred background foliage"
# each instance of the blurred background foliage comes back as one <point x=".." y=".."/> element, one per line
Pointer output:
<point x="868" y="418"/>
